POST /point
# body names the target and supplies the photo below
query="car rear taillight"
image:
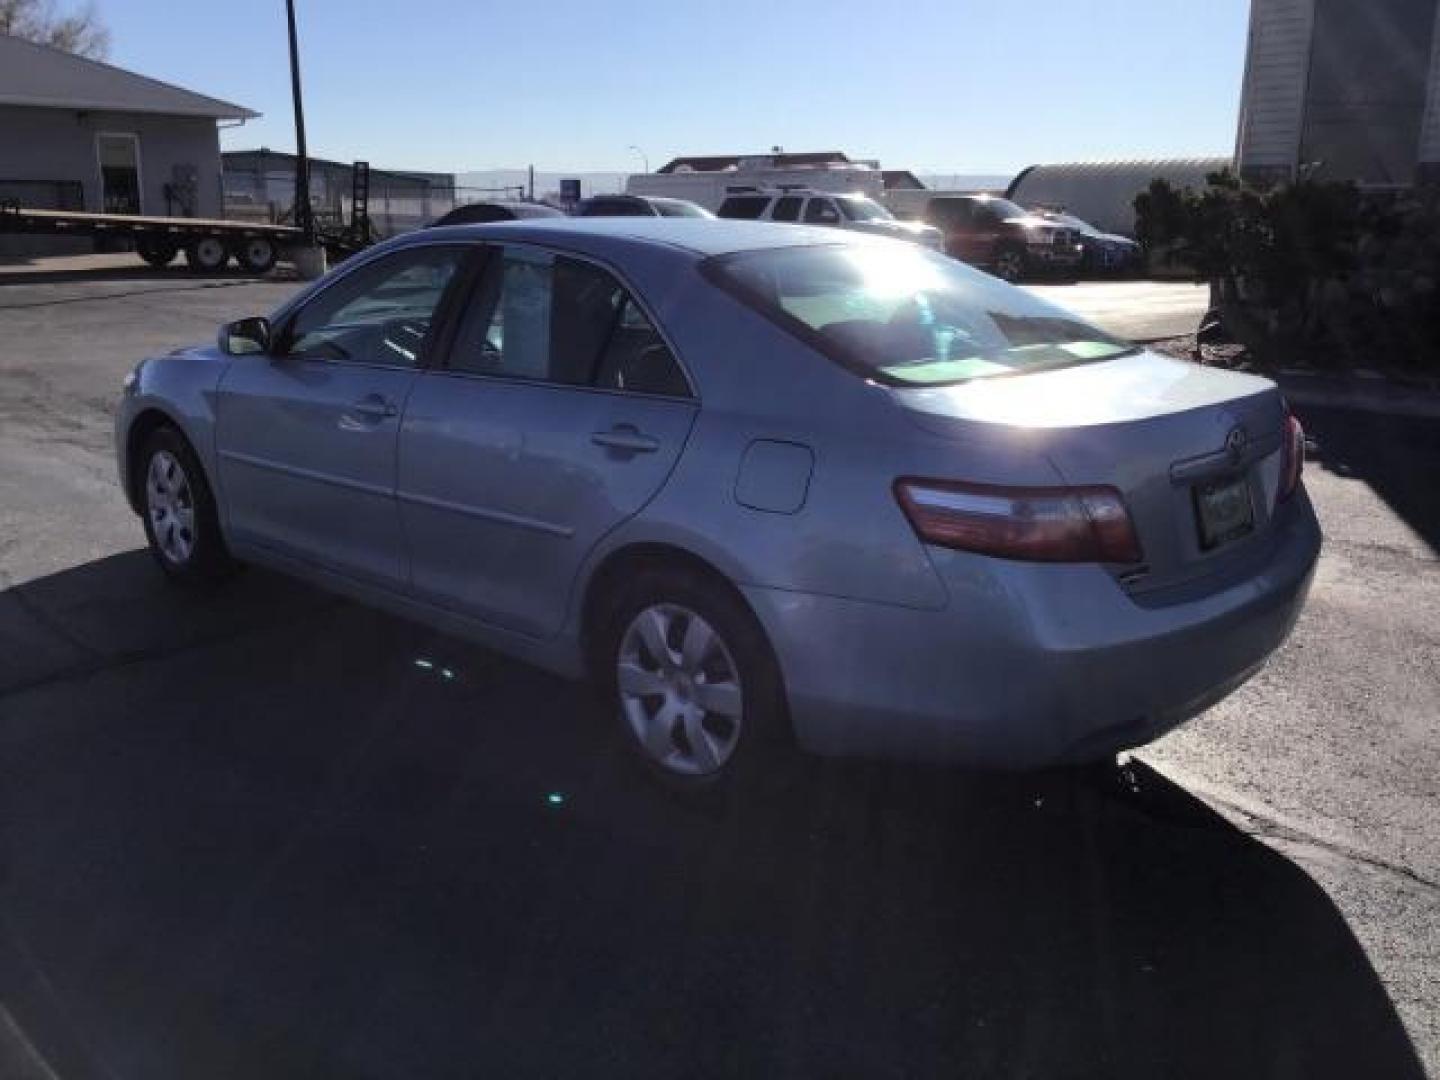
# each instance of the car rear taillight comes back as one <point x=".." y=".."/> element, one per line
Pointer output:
<point x="1079" y="524"/>
<point x="1292" y="463"/>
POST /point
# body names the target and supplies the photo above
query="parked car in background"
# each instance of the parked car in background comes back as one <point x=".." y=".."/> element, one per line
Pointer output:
<point x="1105" y="253"/>
<point x="1008" y="240"/>
<point x="639" y="206"/>
<point x="855" y="213"/>
<point x="846" y="491"/>
<point x="481" y="213"/>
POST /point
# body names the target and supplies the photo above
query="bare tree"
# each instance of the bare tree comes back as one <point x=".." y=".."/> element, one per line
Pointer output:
<point x="79" y="31"/>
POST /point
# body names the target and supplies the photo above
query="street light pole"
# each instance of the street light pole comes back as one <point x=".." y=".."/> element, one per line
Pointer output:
<point x="644" y="158"/>
<point x="304" y="218"/>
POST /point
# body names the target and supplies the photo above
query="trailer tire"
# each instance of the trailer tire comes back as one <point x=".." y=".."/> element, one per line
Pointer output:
<point x="256" y="254"/>
<point x="158" y="253"/>
<point x="207" y="255"/>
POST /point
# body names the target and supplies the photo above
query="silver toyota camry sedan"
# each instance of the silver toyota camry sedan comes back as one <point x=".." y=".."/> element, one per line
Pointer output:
<point x="759" y="482"/>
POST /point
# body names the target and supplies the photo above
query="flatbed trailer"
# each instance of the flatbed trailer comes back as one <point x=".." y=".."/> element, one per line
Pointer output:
<point x="208" y="243"/>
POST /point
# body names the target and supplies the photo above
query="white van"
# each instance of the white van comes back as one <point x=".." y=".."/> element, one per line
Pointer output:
<point x="710" y="189"/>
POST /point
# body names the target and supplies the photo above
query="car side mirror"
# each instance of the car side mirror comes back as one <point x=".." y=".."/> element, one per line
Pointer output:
<point x="246" y="337"/>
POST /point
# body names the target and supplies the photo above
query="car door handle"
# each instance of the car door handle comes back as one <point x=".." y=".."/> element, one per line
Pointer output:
<point x="626" y="438"/>
<point x="375" y="407"/>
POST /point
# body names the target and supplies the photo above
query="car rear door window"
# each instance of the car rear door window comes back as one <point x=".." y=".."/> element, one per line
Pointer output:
<point x="743" y="207"/>
<point x="548" y="317"/>
<point x="787" y="208"/>
<point x="821" y="212"/>
<point x="378" y="314"/>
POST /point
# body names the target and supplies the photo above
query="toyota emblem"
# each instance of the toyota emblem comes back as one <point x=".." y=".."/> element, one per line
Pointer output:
<point x="1236" y="442"/>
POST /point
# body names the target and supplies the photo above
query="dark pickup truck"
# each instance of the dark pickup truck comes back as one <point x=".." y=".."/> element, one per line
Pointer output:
<point x="1006" y="239"/>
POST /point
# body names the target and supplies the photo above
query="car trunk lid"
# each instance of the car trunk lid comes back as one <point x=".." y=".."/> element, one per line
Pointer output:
<point x="1195" y="452"/>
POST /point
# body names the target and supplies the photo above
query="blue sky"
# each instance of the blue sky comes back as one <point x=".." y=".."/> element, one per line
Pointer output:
<point x="933" y="85"/>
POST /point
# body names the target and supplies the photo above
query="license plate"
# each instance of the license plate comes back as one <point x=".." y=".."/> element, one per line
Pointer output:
<point x="1223" y="511"/>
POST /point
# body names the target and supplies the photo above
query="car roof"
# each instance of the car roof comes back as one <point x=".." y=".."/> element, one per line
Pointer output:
<point x="702" y="237"/>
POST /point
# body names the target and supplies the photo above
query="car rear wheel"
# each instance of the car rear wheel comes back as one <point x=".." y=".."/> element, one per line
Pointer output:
<point x="693" y="679"/>
<point x="207" y="254"/>
<point x="257" y="254"/>
<point x="178" y="509"/>
<point x="1010" y="264"/>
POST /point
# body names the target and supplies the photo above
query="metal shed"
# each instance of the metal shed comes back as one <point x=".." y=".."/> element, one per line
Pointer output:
<point x="1103" y="192"/>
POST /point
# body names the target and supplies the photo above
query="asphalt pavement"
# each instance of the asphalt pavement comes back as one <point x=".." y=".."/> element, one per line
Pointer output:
<point x="267" y="833"/>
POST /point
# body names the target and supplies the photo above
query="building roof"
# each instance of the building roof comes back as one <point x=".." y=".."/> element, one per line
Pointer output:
<point x="42" y="77"/>
<point x="721" y="162"/>
<point x="264" y="155"/>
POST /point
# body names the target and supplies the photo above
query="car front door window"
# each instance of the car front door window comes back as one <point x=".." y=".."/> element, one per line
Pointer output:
<point x="787" y="208"/>
<point x="822" y="212"/>
<point x="380" y="314"/>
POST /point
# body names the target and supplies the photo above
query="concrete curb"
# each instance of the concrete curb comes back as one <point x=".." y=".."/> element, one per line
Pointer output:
<point x="1372" y="394"/>
<point x="1360" y="390"/>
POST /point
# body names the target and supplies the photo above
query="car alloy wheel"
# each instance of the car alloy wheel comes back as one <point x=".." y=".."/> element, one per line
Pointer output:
<point x="1010" y="265"/>
<point x="170" y="505"/>
<point x="680" y="690"/>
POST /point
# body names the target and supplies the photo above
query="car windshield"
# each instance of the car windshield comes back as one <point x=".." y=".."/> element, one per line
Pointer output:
<point x="1072" y="222"/>
<point x="908" y="317"/>
<point x="859" y="208"/>
<point x="1004" y="207"/>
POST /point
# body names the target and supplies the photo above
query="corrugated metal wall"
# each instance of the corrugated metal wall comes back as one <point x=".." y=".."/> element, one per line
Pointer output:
<point x="1430" y="127"/>
<point x="1365" y="94"/>
<point x="1272" y="101"/>
<point x="1103" y="192"/>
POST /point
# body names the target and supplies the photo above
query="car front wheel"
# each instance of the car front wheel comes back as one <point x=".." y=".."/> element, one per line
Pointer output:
<point x="181" y="524"/>
<point x="693" y="678"/>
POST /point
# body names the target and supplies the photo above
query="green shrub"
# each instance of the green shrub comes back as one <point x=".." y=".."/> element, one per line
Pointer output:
<point x="1308" y="272"/>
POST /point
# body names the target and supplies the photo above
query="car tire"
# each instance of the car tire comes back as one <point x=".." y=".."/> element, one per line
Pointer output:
<point x="207" y="255"/>
<point x="158" y="253"/>
<point x="257" y="254"/>
<point x="1010" y="264"/>
<point x="691" y="678"/>
<point x="178" y="511"/>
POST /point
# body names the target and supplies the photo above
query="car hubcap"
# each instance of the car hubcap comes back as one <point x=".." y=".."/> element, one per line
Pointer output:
<point x="680" y="690"/>
<point x="171" y="507"/>
<point x="1009" y="266"/>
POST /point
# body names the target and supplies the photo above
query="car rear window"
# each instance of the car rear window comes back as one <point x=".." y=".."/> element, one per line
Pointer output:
<point x="905" y="316"/>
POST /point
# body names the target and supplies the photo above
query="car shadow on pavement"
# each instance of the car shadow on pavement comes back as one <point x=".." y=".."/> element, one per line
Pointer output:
<point x="262" y="833"/>
<point x="1397" y="456"/>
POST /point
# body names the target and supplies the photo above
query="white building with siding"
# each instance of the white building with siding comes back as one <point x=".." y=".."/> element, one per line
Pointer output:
<point x="1343" y="90"/>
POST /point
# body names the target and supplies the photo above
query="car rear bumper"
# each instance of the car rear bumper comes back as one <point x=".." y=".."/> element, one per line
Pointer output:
<point x="1030" y="664"/>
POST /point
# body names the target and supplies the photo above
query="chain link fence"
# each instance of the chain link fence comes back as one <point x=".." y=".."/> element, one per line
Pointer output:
<point x="397" y="203"/>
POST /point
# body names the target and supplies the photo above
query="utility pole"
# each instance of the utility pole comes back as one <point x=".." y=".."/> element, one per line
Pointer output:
<point x="304" y="218"/>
